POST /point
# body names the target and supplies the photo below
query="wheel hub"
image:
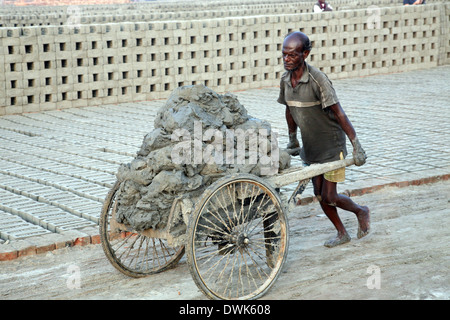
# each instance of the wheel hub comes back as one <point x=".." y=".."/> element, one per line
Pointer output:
<point x="241" y="240"/>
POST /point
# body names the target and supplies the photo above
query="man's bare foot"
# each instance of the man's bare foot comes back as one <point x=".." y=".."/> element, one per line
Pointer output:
<point x="363" y="222"/>
<point x="340" y="239"/>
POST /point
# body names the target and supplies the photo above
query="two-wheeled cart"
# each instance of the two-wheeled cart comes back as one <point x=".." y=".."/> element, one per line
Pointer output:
<point x="235" y="236"/>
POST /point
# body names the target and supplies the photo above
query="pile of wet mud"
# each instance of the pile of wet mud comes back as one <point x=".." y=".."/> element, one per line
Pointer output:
<point x="198" y="136"/>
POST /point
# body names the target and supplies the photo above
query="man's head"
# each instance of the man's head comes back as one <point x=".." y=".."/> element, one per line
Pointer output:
<point x="296" y="48"/>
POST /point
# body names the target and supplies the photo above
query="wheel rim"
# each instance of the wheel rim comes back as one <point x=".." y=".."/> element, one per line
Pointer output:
<point x="132" y="253"/>
<point x="239" y="241"/>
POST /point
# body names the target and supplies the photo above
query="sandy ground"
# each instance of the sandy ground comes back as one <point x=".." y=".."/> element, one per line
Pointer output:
<point x="406" y="256"/>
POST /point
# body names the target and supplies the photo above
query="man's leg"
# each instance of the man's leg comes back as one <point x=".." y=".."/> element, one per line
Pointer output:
<point x="330" y="196"/>
<point x="331" y="212"/>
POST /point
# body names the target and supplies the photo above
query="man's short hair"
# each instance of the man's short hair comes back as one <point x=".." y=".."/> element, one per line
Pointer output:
<point x="307" y="46"/>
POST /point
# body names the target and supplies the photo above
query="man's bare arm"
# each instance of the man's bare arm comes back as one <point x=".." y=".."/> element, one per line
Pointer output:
<point x="358" y="152"/>
<point x="343" y="121"/>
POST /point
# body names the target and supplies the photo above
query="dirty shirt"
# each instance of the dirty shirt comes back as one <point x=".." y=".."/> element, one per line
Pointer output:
<point x="322" y="137"/>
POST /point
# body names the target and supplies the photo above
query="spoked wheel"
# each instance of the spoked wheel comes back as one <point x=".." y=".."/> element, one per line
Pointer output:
<point x="131" y="253"/>
<point x="237" y="239"/>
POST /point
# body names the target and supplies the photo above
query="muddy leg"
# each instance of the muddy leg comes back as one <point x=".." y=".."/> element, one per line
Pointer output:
<point x="363" y="222"/>
<point x="332" y="214"/>
<point x="330" y="195"/>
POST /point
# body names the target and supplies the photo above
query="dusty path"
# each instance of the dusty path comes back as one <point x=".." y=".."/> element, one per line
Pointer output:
<point x="407" y="256"/>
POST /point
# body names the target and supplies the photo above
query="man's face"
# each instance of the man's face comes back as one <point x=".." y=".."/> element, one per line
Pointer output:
<point x="293" y="57"/>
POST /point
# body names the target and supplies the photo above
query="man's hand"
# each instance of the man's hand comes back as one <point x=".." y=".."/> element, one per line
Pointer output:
<point x="359" y="155"/>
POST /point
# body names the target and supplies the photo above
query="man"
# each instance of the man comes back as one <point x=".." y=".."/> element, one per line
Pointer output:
<point x="321" y="6"/>
<point x="312" y="105"/>
<point x="413" y="2"/>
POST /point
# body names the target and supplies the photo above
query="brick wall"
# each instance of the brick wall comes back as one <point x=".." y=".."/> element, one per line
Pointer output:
<point x="53" y="67"/>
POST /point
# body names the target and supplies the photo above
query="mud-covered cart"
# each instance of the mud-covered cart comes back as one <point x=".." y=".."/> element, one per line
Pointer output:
<point x="235" y="236"/>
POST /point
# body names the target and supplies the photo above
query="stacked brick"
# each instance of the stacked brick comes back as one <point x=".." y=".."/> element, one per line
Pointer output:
<point x="53" y="67"/>
<point x="156" y="11"/>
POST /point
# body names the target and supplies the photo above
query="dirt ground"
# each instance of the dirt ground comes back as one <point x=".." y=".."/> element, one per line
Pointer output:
<point x="406" y="256"/>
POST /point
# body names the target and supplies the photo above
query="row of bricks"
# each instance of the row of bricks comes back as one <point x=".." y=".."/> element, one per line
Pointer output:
<point x="65" y="183"/>
<point x="13" y="227"/>
<point x="52" y="215"/>
<point x="93" y="25"/>
<point x="390" y="17"/>
<point x="152" y="52"/>
<point x="47" y="216"/>
<point x="85" y="160"/>
<point x="69" y="163"/>
<point x="42" y="83"/>
<point x="64" y="199"/>
<point x="66" y="171"/>
<point x="124" y="60"/>
<point x="91" y="158"/>
<point x="49" y="242"/>
<point x="79" y="16"/>
<point x="181" y="6"/>
<point x="96" y="179"/>
<point x="149" y="40"/>
<point x="73" y="165"/>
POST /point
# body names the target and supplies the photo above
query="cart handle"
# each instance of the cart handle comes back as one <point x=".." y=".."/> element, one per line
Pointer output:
<point x="295" y="174"/>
